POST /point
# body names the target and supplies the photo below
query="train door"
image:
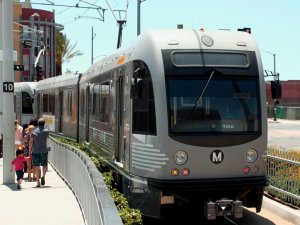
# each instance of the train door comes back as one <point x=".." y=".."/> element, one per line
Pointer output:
<point x="60" y="111"/>
<point x="37" y="108"/>
<point x="87" y="113"/>
<point x="119" y="122"/>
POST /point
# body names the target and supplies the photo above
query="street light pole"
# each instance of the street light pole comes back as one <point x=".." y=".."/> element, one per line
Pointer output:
<point x="274" y="77"/>
<point x="274" y="101"/>
<point x="139" y="16"/>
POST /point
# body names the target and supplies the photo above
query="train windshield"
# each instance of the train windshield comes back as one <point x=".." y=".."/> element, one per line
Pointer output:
<point x="223" y="104"/>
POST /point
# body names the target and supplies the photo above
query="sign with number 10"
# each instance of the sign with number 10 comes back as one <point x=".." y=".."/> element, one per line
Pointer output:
<point x="8" y="86"/>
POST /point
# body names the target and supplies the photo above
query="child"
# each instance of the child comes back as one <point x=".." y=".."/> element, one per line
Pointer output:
<point x="19" y="166"/>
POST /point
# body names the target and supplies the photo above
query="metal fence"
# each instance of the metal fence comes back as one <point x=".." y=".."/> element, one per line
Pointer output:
<point x="84" y="179"/>
<point x="283" y="168"/>
<point x="284" y="112"/>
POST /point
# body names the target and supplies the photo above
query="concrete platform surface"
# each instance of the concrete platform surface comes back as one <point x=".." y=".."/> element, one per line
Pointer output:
<point x="52" y="204"/>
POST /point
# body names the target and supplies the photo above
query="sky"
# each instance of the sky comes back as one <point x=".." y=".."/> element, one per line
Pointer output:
<point x="274" y="25"/>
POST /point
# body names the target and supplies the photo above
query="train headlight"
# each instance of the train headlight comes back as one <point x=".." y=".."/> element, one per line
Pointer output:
<point x="251" y="155"/>
<point x="180" y="157"/>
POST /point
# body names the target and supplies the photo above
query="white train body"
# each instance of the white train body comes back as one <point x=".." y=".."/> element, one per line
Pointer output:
<point x="179" y="114"/>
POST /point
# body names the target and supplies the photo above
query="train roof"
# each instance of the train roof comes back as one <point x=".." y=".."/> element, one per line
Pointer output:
<point x="64" y="80"/>
<point x="25" y="86"/>
<point x="148" y="47"/>
<point x="153" y="41"/>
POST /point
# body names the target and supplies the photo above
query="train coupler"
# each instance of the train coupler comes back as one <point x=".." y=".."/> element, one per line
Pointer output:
<point x="223" y="208"/>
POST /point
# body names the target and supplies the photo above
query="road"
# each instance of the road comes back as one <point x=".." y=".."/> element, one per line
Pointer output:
<point x="284" y="133"/>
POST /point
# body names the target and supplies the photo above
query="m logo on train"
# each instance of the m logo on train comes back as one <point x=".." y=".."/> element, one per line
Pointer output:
<point x="217" y="156"/>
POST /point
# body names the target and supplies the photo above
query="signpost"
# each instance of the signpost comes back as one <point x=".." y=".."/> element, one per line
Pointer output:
<point x="8" y="88"/>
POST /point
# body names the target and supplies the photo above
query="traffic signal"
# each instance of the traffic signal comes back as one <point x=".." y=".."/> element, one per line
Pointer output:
<point x="276" y="89"/>
<point x="19" y="67"/>
<point x="27" y="43"/>
<point x="39" y="72"/>
<point x="36" y="51"/>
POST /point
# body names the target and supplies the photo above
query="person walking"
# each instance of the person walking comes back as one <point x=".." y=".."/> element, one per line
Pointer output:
<point x="18" y="135"/>
<point x="27" y="152"/>
<point x="39" y="150"/>
<point x="19" y="167"/>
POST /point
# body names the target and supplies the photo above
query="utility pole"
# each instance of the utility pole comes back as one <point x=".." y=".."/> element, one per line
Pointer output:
<point x="139" y="16"/>
<point x="92" y="38"/>
<point x="8" y="90"/>
<point x="275" y="101"/>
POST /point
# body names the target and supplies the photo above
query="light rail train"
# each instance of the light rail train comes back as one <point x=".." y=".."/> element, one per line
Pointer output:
<point x="24" y="101"/>
<point x="180" y="115"/>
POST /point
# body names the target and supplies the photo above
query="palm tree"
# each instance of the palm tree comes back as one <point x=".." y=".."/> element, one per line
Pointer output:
<point x="64" y="51"/>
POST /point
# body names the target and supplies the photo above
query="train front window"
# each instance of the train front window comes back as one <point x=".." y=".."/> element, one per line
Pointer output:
<point x="213" y="104"/>
<point x="26" y="103"/>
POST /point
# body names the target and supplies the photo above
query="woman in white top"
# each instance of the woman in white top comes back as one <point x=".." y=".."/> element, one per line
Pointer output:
<point x="18" y="135"/>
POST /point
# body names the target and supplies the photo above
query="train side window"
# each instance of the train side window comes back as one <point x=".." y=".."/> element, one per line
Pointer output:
<point x="52" y="104"/>
<point x="104" y="101"/>
<point x="26" y="103"/>
<point x="38" y="108"/>
<point x="82" y="103"/>
<point x="45" y="103"/>
<point x="144" y="120"/>
<point x="96" y="102"/>
<point x="69" y="104"/>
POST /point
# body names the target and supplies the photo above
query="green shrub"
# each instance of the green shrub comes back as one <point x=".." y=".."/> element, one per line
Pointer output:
<point x="128" y="215"/>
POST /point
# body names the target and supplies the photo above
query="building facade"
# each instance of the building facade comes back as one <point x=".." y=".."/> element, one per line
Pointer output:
<point x="34" y="40"/>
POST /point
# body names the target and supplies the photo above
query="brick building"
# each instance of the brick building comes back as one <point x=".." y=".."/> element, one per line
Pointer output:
<point x="34" y="40"/>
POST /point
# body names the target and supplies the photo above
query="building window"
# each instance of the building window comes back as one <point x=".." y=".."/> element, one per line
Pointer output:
<point x="26" y="61"/>
<point x="25" y="35"/>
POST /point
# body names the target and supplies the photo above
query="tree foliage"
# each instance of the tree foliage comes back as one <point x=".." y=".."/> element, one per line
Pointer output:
<point x="64" y="51"/>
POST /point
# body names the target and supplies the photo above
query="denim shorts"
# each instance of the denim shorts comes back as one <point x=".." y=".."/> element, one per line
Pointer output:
<point x="39" y="159"/>
<point x="20" y="174"/>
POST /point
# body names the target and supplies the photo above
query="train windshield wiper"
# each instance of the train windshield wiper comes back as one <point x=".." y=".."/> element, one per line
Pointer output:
<point x="199" y="98"/>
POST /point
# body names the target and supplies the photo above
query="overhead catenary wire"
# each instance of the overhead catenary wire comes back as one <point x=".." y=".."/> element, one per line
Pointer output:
<point x="62" y="11"/>
<point x="71" y="6"/>
<point x="92" y="6"/>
